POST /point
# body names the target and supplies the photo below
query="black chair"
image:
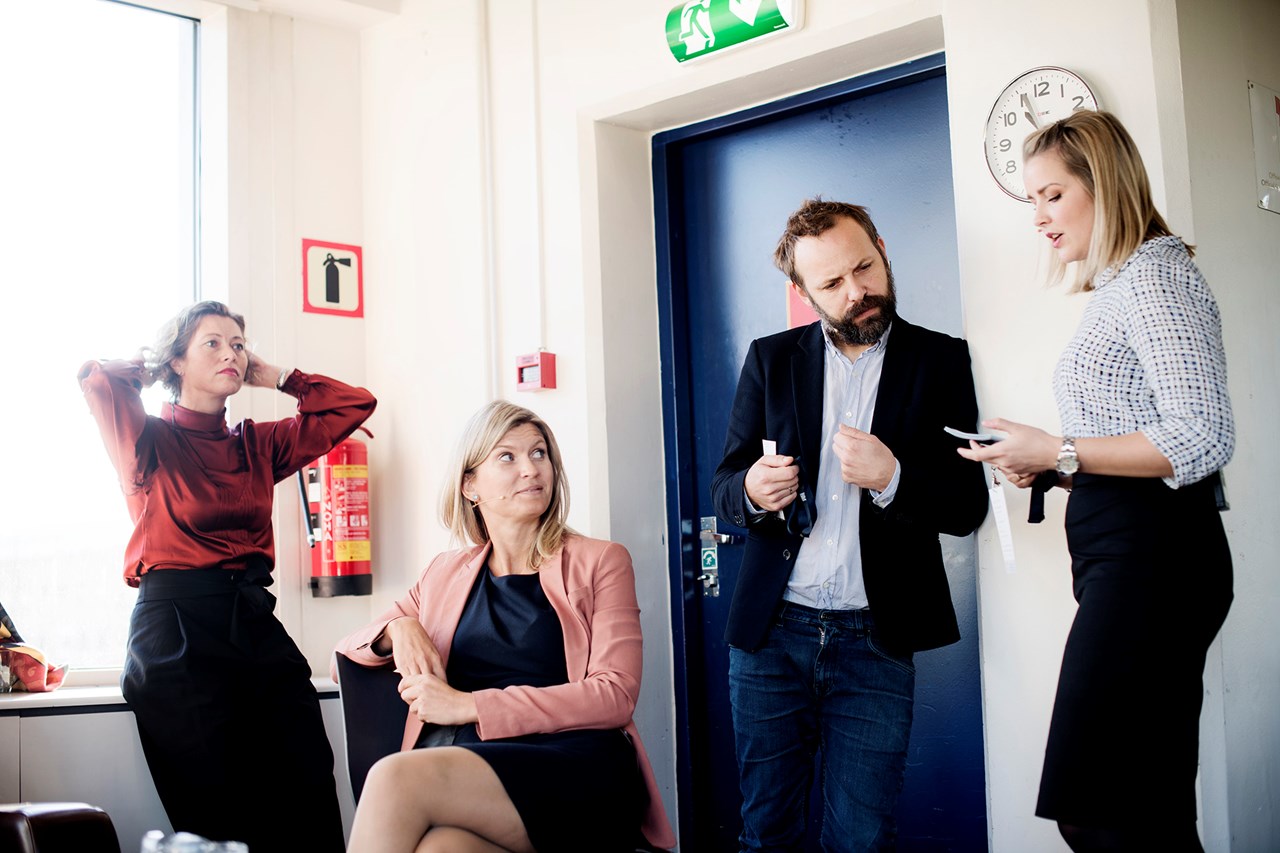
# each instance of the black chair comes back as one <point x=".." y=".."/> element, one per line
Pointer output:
<point x="56" y="828"/>
<point x="373" y="716"/>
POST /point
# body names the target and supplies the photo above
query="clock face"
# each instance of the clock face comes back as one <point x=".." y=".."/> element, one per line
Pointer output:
<point x="1040" y="96"/>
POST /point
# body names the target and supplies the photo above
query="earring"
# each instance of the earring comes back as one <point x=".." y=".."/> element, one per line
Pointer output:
<point x="475" y="496"/>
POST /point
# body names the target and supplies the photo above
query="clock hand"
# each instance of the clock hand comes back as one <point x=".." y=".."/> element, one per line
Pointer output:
<point x="1030" y="112"/>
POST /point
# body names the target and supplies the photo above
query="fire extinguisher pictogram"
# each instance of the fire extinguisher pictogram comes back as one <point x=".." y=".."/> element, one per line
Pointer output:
<point x="336" y="489"/>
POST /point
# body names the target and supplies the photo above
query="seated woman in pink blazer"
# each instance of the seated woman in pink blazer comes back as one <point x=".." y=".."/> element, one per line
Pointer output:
<point x="529" y="644"/>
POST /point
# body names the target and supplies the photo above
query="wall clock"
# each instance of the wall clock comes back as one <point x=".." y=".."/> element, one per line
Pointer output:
<point x="1035" y="98"/>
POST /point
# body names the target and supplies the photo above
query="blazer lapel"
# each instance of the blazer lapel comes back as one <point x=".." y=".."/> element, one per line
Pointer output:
<point x="454" y="599"/>
<point x="901" y="360"/>
<point x="440" y="615"/>
<point x="555" y="585"/>
<point x="808" y="371"/>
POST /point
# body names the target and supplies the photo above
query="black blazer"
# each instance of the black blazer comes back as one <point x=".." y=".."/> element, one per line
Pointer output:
<point x="926" y="384"/>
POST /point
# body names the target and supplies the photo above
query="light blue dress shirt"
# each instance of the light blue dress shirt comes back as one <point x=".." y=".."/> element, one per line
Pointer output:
<point x="828" y="570"/>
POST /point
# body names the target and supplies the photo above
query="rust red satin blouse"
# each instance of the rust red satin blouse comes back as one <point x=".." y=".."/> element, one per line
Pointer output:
<point x="200" y="493"/>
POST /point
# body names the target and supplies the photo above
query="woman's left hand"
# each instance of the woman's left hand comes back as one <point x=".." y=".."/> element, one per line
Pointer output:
<point x="1025" y="452"/>
<point x="432" y="700"/>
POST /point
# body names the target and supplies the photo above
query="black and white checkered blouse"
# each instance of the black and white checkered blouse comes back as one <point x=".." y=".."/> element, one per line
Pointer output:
<point x="1148" y="357"/>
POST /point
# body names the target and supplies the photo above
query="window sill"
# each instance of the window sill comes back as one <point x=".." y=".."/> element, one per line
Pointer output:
<point x="75" y="697"/>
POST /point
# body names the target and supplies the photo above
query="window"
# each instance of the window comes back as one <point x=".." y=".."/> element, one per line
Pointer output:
<point x="98" y="224"/>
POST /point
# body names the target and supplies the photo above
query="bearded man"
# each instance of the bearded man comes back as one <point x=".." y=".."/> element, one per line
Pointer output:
<point x="837" y="465"/>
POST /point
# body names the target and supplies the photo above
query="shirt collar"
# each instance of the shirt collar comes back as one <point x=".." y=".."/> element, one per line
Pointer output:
<point x="875" y="349"/>
<point x="1112" y="272"/>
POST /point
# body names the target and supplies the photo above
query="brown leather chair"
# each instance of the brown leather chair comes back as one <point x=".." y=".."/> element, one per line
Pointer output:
<point x="56" y="828"/>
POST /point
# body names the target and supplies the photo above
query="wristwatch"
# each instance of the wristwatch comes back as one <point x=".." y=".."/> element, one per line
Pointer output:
<point x="1068" y="461"/>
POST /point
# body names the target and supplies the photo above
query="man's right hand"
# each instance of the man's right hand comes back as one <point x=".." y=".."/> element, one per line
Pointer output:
<point x="772" y="482"/>
<point x="411" y="648"/>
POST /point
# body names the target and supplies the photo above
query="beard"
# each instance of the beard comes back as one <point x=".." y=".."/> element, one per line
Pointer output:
<point x="845" y="330"/>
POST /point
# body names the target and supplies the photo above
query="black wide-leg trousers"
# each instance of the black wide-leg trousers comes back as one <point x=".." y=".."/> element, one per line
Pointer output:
<point x="229" y="720"/>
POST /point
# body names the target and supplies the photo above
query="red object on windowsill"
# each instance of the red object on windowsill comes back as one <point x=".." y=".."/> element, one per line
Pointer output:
<point x="30" y="671"/>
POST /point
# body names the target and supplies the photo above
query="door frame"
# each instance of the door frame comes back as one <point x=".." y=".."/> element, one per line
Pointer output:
<point x="673" y="343"/>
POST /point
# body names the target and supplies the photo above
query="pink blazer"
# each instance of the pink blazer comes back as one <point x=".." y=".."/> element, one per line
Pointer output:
<point x="591" y="586"/>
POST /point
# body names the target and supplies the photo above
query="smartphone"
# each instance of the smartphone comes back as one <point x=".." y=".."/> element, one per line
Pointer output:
<point x="980" y="437"/>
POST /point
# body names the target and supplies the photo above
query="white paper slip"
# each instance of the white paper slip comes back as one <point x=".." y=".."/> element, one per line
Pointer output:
<point x="1001" y="511"/>
<point x="769" y="447"/>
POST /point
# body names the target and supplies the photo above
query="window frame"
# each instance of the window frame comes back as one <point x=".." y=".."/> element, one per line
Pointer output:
<point x="209" y="148"/>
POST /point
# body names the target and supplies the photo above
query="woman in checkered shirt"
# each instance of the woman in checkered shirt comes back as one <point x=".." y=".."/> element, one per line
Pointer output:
<point x="1147" y="426"/>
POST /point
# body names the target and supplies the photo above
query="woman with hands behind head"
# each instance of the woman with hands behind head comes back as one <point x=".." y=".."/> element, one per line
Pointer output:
<point x="226" y="712"/>
<point x="1142" y="395"/>
<point x="528" y="642"/>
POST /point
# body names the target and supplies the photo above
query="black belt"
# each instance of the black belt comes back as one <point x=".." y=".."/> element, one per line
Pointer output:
<point x="1046" y="480"/>
<point x="249" y="585"/>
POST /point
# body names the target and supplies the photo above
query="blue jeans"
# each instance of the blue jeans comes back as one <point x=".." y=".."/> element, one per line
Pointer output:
<point x="820" y="685"/>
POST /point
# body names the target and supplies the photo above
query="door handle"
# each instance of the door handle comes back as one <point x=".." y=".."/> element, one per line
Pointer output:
<point x="710" y="541"/>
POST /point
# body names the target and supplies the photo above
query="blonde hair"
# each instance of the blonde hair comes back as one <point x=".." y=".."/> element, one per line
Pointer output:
<point x="1097" y="150"/>
<point x="483" y="432"/>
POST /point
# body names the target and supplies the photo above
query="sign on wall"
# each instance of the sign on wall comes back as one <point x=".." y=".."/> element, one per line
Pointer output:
<point x="798" y="311"/>
<point x="1264" y="104"/>
<point x="699" y="27"/>
<point x="332" y="279"/>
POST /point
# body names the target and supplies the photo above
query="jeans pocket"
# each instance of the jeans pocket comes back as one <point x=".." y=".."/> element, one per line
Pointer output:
<point x="904" y="662"/>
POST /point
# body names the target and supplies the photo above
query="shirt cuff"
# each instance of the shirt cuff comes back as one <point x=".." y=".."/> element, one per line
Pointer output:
<point x="752" y="510"/>
<point x="883" y="499"/>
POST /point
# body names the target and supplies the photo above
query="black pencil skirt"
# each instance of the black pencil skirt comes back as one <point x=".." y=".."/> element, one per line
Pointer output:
<point x="1151" y="572"/>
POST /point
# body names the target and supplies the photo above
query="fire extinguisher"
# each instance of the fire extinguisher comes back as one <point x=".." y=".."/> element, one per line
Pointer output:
<point x="336" y="494"/>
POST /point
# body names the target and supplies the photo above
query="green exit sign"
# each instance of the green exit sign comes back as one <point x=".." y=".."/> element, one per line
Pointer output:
<point x="699" y="27"/>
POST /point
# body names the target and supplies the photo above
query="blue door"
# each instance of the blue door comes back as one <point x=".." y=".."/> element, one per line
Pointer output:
<point x="724" y="189"/>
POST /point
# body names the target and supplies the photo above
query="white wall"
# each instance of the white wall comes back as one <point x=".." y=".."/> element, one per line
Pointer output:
<point x="505" y="204"/>
<point x="1223" y="45"/>
<point x="294" y="169"/>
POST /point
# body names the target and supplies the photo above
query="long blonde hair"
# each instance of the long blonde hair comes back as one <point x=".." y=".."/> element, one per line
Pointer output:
<point x="1098" y="151"/>
<point x="483" y="432"/>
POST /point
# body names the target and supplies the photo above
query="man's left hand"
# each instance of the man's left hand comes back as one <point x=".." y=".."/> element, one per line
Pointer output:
<point x="864" y="460"/>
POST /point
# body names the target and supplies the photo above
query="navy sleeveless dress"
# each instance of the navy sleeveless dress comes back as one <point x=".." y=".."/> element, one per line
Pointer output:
<point x="577" y="790"/>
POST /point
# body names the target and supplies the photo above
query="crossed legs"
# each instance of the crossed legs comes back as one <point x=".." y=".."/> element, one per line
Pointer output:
<point x="445" y="798"/>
